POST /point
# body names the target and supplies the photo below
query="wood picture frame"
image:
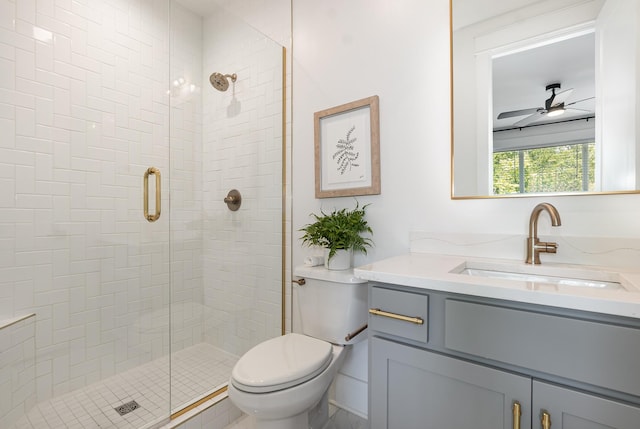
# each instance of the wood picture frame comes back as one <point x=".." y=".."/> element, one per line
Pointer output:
<point x="347" y="149"/>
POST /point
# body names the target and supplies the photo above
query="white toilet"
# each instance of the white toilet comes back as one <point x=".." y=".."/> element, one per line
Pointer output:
<point x="278" y="381"/>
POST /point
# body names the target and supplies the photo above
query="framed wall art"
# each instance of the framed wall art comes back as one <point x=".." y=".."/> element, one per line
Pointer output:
<point x="347" y="149"/>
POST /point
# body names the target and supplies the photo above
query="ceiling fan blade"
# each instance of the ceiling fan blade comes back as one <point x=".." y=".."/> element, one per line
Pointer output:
<point x="579" y="101"/>
<point x="531" y="118"/>
<point x="522" y="112"/>
<point x="561" y="97"/>
<point x="578" y="110"/>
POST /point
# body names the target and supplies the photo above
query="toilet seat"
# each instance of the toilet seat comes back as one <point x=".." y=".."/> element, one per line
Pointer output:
<point x="280" y="363"/>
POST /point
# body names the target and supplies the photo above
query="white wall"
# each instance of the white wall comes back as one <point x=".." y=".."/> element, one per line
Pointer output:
<point x="345" y="51"/>
<point x="617" y="94"/>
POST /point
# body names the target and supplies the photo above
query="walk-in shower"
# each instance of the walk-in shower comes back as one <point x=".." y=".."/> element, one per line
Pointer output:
<point x="118" y="310"/>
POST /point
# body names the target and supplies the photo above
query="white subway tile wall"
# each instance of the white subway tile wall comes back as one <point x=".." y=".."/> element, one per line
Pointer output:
<point x="242" y="149"/>
<point x="186" y="79"/>
<point x="17" y="368"/>
<point x="92" y="93"/>
<point x="84" y="109"/>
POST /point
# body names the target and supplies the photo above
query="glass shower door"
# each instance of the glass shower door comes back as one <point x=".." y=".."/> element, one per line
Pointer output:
<point x="84" y="113"/>
<point x="226" y="266"/>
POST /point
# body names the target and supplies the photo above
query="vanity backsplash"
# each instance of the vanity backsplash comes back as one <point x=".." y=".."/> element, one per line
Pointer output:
<point x="605" y="251"/>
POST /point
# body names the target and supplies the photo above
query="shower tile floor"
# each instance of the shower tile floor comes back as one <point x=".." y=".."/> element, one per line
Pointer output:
<point x="197" y="370"/>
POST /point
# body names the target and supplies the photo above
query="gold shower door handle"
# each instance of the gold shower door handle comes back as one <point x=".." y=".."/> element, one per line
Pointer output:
<point x="516" y="414"/>
<point x="154" y="217"/>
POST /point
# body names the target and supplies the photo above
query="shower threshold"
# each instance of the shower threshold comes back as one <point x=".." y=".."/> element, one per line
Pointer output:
<point x="196" y="370"/>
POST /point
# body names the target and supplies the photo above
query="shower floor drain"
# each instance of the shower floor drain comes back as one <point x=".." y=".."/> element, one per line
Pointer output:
<point x="127" y="408"/>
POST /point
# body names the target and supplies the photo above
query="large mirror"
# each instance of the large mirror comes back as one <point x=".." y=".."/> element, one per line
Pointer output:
<point x="545" y="97"/>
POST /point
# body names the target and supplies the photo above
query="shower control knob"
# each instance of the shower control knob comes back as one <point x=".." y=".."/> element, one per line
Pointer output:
<point x="233" y="200"/>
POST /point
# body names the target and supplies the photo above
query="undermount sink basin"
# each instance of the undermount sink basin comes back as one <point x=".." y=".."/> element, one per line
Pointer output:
<point x="542" y="279"/>
<point x="543" y="275"/>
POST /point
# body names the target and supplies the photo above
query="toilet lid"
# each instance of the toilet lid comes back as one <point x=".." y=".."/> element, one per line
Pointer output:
<point x="280" y="363"/>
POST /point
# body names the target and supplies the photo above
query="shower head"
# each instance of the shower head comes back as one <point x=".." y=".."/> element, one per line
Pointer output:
<point x="220" y="82"/>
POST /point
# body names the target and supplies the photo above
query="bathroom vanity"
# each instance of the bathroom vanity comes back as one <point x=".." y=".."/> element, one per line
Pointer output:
<point x="453" y="348"/>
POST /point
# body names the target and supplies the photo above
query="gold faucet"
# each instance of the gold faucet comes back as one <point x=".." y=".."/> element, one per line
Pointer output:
<point x="534" y="245"/>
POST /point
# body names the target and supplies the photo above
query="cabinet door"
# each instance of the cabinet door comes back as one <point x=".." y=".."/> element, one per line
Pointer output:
<point x="569" y="409"/>
<point x="413" y="388"/>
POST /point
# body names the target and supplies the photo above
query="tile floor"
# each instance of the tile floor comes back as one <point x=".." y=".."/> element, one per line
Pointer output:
<point x="197" y="370"/>
<point x="340" y="419"/>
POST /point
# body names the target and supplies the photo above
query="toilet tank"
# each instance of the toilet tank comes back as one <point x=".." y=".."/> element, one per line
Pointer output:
<point x="330" y="305"/>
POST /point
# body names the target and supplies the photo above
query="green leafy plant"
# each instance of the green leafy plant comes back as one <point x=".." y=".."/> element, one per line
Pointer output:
<point x="340" y="229"/>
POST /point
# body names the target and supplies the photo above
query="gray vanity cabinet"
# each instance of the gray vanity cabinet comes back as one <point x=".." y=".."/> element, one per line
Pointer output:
<point x="474" y="363"/>
<point x="413" y="388"/>
<point x="569" y="409"/>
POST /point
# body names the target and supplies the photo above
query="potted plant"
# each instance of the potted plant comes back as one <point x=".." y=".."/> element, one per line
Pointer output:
<point x="340" y="233"/>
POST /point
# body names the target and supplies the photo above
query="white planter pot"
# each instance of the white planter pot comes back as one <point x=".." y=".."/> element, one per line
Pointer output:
<point x="342" y="260"/>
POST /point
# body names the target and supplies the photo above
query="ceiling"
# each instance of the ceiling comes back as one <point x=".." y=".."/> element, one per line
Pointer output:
<point x="467" y="12"/>
<point x="519" y="79"/>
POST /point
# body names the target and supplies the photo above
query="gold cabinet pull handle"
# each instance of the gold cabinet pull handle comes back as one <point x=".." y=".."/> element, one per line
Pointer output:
<point x="152" y="217"/>
<point x="517" y="412"/>
<point x="378" y="312"/>
<point x="546" y="420"/>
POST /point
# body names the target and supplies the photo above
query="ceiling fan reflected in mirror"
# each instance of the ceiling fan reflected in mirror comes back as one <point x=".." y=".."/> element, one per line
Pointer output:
<point x="555" y="105"/>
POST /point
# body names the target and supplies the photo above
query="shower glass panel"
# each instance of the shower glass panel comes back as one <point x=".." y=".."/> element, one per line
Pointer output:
<point x="110" y="317"/>
<point x="84" y="113"/>
<point x="226" y="133"/>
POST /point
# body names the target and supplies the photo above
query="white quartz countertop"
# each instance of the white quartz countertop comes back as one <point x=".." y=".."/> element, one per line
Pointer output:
<point x="442" y="273"/>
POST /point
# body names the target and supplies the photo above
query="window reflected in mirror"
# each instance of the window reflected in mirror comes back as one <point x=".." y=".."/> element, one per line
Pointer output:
<point x="562" y="168"/>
